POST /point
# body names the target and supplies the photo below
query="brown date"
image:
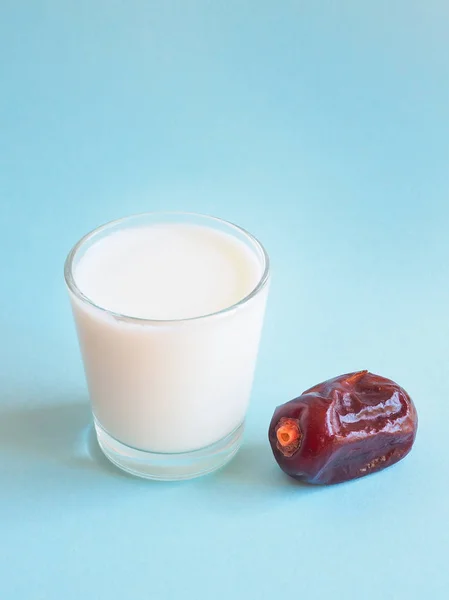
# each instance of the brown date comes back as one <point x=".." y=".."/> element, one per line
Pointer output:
<point x="343" y="428"/>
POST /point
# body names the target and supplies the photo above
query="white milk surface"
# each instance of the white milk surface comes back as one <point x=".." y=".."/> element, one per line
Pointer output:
<point x="169" y="386"/>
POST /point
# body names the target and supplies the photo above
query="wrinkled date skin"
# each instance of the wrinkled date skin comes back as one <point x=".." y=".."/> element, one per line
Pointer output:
<point x="343" y="428"/>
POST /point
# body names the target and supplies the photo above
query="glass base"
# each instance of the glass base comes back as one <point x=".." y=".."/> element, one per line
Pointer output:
<point x="170" y="467"/>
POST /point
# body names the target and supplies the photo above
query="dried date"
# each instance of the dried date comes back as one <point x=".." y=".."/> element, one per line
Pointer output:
<point x="343" y="428"/>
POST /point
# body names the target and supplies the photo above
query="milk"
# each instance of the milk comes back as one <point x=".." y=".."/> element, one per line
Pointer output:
<point x="176" y="376"/>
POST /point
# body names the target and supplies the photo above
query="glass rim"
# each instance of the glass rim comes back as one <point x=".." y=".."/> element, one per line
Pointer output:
<point x="75" y="290"/>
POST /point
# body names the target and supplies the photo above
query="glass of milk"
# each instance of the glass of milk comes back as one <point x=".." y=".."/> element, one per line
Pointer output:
<point x="169" y="310"/>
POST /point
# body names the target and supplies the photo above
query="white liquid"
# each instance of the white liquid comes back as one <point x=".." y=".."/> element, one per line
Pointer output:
<point x="169" y="386"/>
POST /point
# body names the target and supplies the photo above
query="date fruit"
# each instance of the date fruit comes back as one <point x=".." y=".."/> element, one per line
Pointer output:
<point x="343" y="428"/>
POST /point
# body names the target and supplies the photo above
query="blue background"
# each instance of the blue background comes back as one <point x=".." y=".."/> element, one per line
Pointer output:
<point x="323" y="128"/>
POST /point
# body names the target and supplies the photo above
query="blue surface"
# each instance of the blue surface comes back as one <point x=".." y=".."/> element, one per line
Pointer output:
<point x="323" y="128"/>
